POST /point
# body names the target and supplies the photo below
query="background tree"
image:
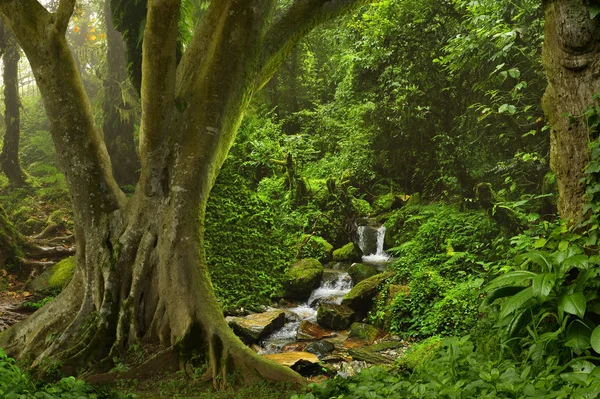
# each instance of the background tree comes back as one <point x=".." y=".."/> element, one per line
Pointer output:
<point x="141" y="270"/>
<point x="571" y="58"/>
<point x="9" y="158"/>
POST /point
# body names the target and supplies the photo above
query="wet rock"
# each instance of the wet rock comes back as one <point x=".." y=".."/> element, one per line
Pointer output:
<point x="361" y="334"/>
<point x="302" y="278"/>
<point x="334" y="316"/>
<point x="258" y="326"/>
<point x="348" y="253"/>
<point x="320" y="348"/>
<point x="294" y="347"/>
<point x="360" y="272"/>
<point x="310" y="331"/>
<point x="369" y="356"/>
<point x="360" y="298"/>
<point x="305" y="363"/>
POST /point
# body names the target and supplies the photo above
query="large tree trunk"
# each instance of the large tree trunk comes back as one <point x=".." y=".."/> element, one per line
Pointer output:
<point x="571" y="56"/>
<point x="141" y="271"/>
<point x="9" y="158"/>
<point x="118" y="130"/>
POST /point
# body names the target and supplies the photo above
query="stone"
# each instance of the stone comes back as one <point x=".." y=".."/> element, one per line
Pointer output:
<point x="369" y="356"/>
<point x="304" y="363"/>
<point x="258" y="326"/>
<point x="54" y="277"/>
<point x="320" y="348"/>
<point x="294" y="347"/>
<point x="334" y="316"/>
<point x="308" y="331"/>
<point x="361" y="334"/>
<point x="348" y="253"/>
<point x="360" y="272"/>
<point x="394" y="290"/>
<point x="303" y="277"/>
<point x="315" y="247"/>
<point x="360" y="297"/>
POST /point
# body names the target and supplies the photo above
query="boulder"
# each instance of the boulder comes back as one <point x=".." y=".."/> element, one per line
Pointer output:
<point x="366" y="355"/>
<point x="54" y="277"/>
<point x="294" y="347"/>
<point x="361" y="334"/>
<point x="360" y="272"/>
<point x="308" y="331"/>
<point x="320" y="348"/>
<point x="304" y="363"/>
<point x="395" y="290"/>
<point x="258" y="326"/>
<point x="334" y="316"/>
<point x="303" y="277"/>
<point x="348" y="253"/>
<point x="360" y="298"/>
<point x="315" y="247"/>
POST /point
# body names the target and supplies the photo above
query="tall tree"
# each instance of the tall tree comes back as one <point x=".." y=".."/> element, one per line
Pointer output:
<point x="571" y="56"/>
<point x="141" y="270"/>
<point x="9" y="157"/>
<point x="118" y="130"/>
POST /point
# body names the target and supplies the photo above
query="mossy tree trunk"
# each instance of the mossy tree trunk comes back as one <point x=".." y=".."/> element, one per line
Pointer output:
<point x="571" y="57"/>
<point x="118" y="126"/>
<point x="141" y="270"/>
<point x="9" y="157"/>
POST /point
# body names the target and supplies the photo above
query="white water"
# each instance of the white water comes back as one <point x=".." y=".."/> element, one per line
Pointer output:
<point x="329" y="291"/>
<point x="380" y="255"/>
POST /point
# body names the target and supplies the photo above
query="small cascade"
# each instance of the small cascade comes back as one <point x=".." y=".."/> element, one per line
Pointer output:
<point x="334" y="285"/>
<point x="370" y="241"/>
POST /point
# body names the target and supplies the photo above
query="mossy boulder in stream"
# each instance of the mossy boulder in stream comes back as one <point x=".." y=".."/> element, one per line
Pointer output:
<point x="334" y="316"/>
<point x="361" y="271"/>
<point x="303" y="277"/>
<point x="55" y="277"/>
<point x="315" y="247"/>
<point x="348" y="253"/>
<point x="360" y="298"/>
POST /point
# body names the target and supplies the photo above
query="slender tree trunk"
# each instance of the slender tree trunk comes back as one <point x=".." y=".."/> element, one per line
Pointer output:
<point x="571" y="56"/>
<point x="9" y="158"/>
<point x="118" y="130"/>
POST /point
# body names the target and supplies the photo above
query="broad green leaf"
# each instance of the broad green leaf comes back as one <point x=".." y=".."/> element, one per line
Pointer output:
<point x="540" y="242"/>
<point x="510" y="278"/>
<point x="518" y="322"/>
<point x="563" y="245"/>
<point x="594" y="11"/>
<point x="502" y="292"/>
<point x="595" y="339"/>
<point x="516" y="302"/>
<point x="514" y="73"/>
<point x="573" y="304"/>
<point x="543" y="284"/>
<point x="539" y="258"/>
<point x="579" y="261"/>
<point x="578" y="336"/>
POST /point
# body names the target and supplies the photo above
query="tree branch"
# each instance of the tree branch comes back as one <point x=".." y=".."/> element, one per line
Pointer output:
<point x="296" y="22"/>
<point x="159" y="66"/>
<point x="63" y="15"/>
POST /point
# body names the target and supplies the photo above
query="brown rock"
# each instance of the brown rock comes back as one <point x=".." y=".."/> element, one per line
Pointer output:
<point x="309" y="331"/>
<point x="291" y="358"/>
<point x="258" y="326"/>
<point x="294" y="347"/>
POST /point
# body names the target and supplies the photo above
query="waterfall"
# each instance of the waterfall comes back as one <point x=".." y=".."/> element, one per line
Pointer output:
<point x="370" y="241"/>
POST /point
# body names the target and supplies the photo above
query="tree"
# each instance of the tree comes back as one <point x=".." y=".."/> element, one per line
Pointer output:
<point x="571" y="56"/>
<point x="118" y="130"/>
<point x="141" y="270"/>
<point x="9" y="158"/>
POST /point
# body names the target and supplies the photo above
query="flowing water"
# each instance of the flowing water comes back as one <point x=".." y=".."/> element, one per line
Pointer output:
<point x="334" y="285"/>
<point x="370" y="241"/>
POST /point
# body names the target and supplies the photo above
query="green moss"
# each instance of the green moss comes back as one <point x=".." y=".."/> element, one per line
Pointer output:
<point x="360" y="272"/>
<point x="362" y="331"/>
<point x="348" y="253"/>
<point x="315" y="247"/>
<point x="54" y="277"/>
<point x="421" y="353"/>
<point x="302" y="278"/>
<point x="362" y="207"/>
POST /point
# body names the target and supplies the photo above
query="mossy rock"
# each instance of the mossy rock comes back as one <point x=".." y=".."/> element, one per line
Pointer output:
<point x="348" y="253"/>
<point x="10" y="241"/>
<point x="360" y="298"/>
<point x="363" y="332"/>
<point x="420" y="354"/>
<point x="360" y="272"/>
<point x="334" y="316"/>
<point x="315" y="247"/>
<point x="55" y="277"/>
<point x="396" y="290"/>
<point x="303" y="277"/>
